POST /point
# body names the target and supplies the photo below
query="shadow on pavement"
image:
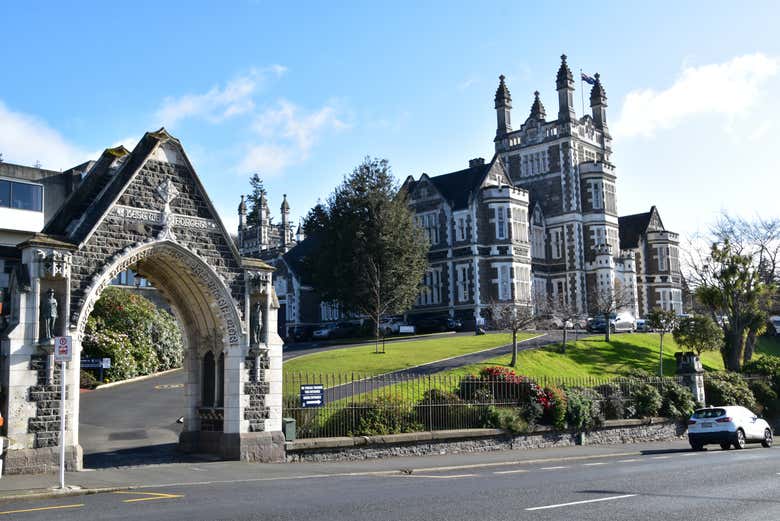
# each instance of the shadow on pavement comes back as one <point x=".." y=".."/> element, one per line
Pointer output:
<point x="151" y="455"/>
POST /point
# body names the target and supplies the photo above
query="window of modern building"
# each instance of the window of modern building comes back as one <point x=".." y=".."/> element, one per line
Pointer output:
<point x="21" y="196"/>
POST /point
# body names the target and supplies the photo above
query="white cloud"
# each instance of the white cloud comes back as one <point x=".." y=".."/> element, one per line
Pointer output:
<point x="221" y="102"/>
<point x="288" y="133"/>
<point x="730" y="88"/>
<point x="27" y="139"/>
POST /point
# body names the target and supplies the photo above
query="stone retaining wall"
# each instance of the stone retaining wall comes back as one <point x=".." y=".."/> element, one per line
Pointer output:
<point x="477" y="440"/>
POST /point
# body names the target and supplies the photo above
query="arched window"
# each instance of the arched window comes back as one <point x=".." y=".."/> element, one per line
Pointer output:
<point x="220" y="379"/>
<point x="207" y="386"/>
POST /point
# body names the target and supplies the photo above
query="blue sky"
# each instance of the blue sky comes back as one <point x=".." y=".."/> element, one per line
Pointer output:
<point x="301" y="92"/>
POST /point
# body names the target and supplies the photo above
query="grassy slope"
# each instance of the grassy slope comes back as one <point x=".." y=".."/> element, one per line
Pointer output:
<point x="592" y="356"/>
<point x="401" y="355"/>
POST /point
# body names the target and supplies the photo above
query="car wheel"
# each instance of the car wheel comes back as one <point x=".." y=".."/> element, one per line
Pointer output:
<point x="767" y="441"/>
<point x="697" y="446"/>
<point x="739" y="441"/>
<point x="611" y="329"/>
<point x="725" y="445"/>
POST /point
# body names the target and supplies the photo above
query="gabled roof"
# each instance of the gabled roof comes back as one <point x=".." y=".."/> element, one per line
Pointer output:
<point x="105" y="182"/>
<point x="631" y="227"/>
<point x="295" y="258"/>
<point x="457" y="187"/>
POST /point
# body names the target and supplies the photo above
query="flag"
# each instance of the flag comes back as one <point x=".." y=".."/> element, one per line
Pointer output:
<point x="587" y="79"/>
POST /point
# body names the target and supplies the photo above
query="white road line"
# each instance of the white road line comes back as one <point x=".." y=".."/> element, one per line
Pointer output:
<point x="454" y="476"/>
<point x="593" y="464"/>
<point x="660" y="457"/>
<point x="518" y="471"/>
<point x="582" y="502"/>
<point x="690" y="454"/>
<point x="553" y="468"/>
<point x="629" y="460"/>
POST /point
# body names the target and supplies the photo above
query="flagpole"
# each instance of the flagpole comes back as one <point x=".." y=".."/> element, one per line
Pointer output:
<point x="582" y="93"/>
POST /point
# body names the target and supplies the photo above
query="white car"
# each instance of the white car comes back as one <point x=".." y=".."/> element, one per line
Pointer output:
<point x="727" y="426"/>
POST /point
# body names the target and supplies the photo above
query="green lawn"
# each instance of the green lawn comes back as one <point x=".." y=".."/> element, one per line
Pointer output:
<point x="400" y="355"/>
<point x="592" y="356"/>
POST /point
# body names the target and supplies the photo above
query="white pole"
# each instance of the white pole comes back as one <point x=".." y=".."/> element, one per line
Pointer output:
<point x="62" y="426"/>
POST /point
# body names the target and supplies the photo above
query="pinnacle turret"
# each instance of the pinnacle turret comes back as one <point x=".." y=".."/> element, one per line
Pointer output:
<point x="503" y="97"/>
<point x="537" y="109"/>
<point x="564" y="76"/>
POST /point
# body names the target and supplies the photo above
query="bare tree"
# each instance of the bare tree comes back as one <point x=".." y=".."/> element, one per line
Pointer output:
<point x="663" y="321"/>
<point x="562" y="313"/>
<point x="608" y="300"/>
<point x="512" y="316"/>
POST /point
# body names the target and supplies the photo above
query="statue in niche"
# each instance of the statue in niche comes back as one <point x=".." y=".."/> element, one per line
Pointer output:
<point x="256" y="324"/>
<point x="49" y="315"/>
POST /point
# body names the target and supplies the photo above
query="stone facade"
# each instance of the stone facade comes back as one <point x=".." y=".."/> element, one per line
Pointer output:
<point x="146" y="211"/>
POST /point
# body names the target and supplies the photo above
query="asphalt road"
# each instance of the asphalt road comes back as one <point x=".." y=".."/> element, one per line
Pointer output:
<point x="665" y="483"/>
<point x="135" y="423"/>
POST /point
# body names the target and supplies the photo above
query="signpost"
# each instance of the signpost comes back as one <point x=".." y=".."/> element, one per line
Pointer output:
<point x="63" y="352"/>
<point x="312" y="395"/>
<point x="96" y="363"/>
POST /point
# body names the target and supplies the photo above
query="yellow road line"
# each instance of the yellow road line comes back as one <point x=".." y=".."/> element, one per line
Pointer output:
<point x="40" y="509"/>
<point x="154" y="496"/>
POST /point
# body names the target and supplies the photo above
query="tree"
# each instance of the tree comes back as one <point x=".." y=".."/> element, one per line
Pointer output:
<point x="607" y="300"/>
<point x="254" y="199"/>
<point x="372" y="256"/>
<point x="699" y="333"/>
<point x="561" y="312"/>
<point x="512" y="316"/>
<point x="316" y="220"/>
<point x="663" y="321"/>
<point x="731" y="287"/>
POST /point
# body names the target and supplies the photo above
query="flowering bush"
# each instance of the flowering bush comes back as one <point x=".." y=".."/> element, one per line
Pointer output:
<point x="556" y="410"/>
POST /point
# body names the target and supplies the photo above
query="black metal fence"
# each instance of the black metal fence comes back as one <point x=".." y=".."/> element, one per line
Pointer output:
<point x="355" y="405"/>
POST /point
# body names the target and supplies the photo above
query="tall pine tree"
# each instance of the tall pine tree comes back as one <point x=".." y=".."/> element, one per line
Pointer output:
<point x="253" y="199"/>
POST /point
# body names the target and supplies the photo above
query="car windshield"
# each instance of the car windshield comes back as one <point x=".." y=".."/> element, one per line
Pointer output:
<point x="709" y="413"/>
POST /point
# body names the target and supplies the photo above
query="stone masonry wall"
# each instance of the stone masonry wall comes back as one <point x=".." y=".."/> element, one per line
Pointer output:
<point x="46" y="423"/>
<point x="476" y="440"/>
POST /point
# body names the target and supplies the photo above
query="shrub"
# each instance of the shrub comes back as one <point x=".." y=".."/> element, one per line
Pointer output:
<point x="444" y="410"/>
<point x="583" y="409"/>
<point x="767" y="365"/>
<point x="531" y="412"/>
<point x="646" y="399"/>
<point x="503" y="384"/>
<point x="87" y="380"/>
<point x="766" y="398"/>
<point x="677" y="399"/>
<point x="728" y="389"/>
<point x="613" y="403"/>
<point x="116" y="346"/>
<point x="377" y="416"/>
<point x="508" y="418"/>
<point x="557" y="409"/>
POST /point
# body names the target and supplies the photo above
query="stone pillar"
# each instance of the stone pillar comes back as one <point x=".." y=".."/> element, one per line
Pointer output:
<point x="690" y="370"/>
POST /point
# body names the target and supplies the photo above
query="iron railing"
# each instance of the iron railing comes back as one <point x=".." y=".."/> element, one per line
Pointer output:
<point x="356" y="404"/>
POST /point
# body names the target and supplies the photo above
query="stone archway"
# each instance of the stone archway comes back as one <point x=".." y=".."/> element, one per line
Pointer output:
<point x="145" y="209"/>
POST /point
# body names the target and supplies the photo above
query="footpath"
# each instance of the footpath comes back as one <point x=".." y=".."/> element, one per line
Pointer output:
<point x="215" y="472"/>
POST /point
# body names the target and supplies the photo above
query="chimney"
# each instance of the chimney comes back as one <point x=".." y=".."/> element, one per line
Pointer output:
<point x="477" y="161"/>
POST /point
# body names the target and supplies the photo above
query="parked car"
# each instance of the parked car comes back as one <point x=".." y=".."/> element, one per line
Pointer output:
<point x="437" y="324"/>
<point x="643" y="325"/>
<point x="324" y="332"/>
<point x="727" y="426"/>
<point x="301" y="333"/>
<point x="618" y="322"/>
<point x="336" y="330"/>
<point x="391" y="325"/>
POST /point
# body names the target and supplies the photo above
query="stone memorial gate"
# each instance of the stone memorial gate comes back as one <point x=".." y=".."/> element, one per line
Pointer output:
<point x="144" y="209"/>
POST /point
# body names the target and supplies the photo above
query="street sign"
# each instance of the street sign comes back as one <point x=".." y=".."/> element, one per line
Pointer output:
<point x="312" y="395"/>
<point x="106" y="363"/>
<point x="63" y="348"/>
<point x="96" y="363"/>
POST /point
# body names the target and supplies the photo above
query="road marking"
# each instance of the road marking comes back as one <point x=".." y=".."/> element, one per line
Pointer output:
<point x="553" y="468"/>
<point x="454" y="476"/>
<point x="518" y="471"/>
<point x="154" y="496"/>
<point x="39" y="509"/>
<point x="660" y="457"/>
<point x="593" y="464"/>
<point x="163" y="387"/>
<point x="582" y="502"/>
<point x="690" y="454"/>
<point x="631" y="460"/>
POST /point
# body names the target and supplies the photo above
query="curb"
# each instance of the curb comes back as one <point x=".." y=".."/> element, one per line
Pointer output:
<point x="136" y="379"/>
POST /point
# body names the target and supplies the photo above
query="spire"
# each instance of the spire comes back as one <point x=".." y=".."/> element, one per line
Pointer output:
<point x="564" y="83"/>
<point x="503" y="98"/>
<point x="503" y="110"/>
<point x="285" y="205"/>
<point x="598" y="104"/>
<point x="537" y="109"/>
<point x="242" y="206"/>
<point x="564" y="74"/>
